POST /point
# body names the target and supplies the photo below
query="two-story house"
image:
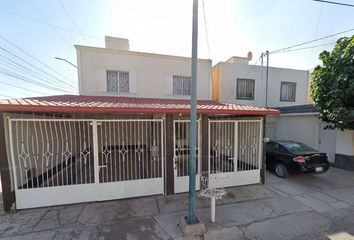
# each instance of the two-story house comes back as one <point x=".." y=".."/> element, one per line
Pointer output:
<point x="117" y="71"/>
<point x="126" y="134"/>
<point x="236" y="81"/>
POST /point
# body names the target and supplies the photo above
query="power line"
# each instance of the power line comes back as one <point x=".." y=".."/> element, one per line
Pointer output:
<point x="336" y="3"/>
<point x="54" y="29"/>
<point x="17" y="66"/>
<point x="14" y="55"/>
<point x="72" y="20"/>
<point x="206" y="29"/>
<point x="48" y="24"/>
<point x="37" y="60"/>
<point x="315" y="40"/>
<point x="316" y="30"/>
<point x="7" y="96"/>
<point x="28" y="80"/>
<point x="8" y="52"/>
<point x="298" y="49"/>
<point x="30" y="90"/>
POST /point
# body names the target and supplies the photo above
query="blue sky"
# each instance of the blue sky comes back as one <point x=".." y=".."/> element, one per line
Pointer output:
<point x="161" y="26"/>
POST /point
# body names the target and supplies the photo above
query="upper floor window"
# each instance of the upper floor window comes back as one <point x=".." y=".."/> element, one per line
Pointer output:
<point x="117" y="81"/>
<point x="287" y="91"/>
<point x="181" y="85"/>
<point x="245" y="89"/>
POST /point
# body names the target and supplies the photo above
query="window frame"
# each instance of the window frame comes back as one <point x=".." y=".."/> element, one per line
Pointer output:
<point x="118" y="81"/>
<point x="281" y="87"/>
<point x="253" y="88"/>
<point x="183" y="78"/>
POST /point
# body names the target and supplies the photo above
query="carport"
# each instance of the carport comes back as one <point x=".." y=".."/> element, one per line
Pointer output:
<point x="69" y="149"/>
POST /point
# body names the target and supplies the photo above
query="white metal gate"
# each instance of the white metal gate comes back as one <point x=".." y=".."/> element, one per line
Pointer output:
<point x="235" y="152"/>
<point x="181" y="155"/>
<point x="60" y="161"/>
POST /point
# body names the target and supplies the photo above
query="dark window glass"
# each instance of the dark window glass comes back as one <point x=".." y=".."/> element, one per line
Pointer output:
<point x="287" y="91"/>
<point x="245" y="89"/>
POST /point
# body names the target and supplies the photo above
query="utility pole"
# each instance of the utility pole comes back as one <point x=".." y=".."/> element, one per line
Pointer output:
<point x="267" y="76"/>
<point x="262" y="64"/>
<point x="193" y="118"/>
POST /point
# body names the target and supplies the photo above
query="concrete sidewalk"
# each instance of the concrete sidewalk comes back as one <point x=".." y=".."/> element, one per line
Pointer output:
<point x="300" y="207"/>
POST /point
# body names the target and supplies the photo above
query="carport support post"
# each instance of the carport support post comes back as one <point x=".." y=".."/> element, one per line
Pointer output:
<point x="5" y="168"/>
<point x="263" y="168"/>
<point x="193" y="117"/>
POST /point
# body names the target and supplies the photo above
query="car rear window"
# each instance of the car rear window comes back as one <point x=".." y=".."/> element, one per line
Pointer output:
<point x="298" y="147"/>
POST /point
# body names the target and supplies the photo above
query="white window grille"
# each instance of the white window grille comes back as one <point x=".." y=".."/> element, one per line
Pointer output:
<point x="245" y="89"/>
<point x="117" y="81"/>
<point x="287" y="91"/>
<point x="181" y="85"/>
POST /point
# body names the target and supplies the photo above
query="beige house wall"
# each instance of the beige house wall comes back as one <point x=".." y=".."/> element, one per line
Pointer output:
<point x="150" y="75"/>
<point x="229" y="72"/>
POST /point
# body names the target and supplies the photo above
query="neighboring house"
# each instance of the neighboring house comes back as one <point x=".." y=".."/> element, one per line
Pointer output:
<point x="126" y="134"/>
<point x="301" y="123"/>
<point x="117" y="71"/>
<point x="235" y="81"/>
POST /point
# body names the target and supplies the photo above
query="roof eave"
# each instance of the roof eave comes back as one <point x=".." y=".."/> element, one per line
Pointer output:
<point x="48" y="109"/>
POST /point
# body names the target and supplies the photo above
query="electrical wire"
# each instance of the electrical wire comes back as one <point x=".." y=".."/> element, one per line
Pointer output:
<point x="248" y="72"/>
<point x="72" y="21"/>
<point x="316" y="32"/>
<point x="55" y="30"/>
<point x="37" y="60"/>
<point x="30" y="90"/>
<point x="48" y="24"/>
<point x="298" y="49"/>
<point x="28" y="80"/>
<point x="30" y="64"/>
<point x="6" y="96"/>
<point x="314" y="40"/>
<point x="336" y="3"/>
<point x="17" y="66"/>
<point x="206" y="29"/>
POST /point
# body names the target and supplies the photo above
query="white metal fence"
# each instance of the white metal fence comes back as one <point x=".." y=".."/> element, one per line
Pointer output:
<point x="235" y="148"/>
<point x="59" y="161"/>
<point x="130" y="150"/>
<point x="85" y="160"/>
<point x="49" y="153"/>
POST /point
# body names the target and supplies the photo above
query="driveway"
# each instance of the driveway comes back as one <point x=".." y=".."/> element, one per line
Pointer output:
<point x="300" y="207"/>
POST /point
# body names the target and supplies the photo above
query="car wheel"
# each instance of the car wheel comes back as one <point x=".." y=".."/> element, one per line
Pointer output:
<point x="281" y="170"/>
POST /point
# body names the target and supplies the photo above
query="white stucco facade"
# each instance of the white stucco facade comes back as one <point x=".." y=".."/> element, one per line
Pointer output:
<point x="229" y="71"/>
<point x="308" y="129"/>
<point x="300" y="128"/>
<point x="150" y="75"/>
<point x="345" y="142"/>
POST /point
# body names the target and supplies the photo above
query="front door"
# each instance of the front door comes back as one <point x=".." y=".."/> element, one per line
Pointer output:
<point x="181" y="155"/>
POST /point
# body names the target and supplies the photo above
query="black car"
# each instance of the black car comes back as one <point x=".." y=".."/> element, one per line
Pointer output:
<point x="284" y="157"/>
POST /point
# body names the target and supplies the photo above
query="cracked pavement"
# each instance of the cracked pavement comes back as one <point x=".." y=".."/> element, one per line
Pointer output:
<point x="299" y="207"/>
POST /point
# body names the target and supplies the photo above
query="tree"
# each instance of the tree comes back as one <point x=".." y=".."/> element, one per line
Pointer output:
<point x="332" y="88"/>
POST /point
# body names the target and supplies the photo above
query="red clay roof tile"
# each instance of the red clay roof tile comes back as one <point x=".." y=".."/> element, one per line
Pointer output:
<point x="106" y="104"/>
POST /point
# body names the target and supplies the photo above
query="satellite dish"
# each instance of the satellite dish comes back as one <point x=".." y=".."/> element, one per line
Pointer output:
<point x="249" y="56"/>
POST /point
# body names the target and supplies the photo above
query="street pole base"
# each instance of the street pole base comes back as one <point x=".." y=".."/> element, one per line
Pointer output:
<point x="191" y="230"/>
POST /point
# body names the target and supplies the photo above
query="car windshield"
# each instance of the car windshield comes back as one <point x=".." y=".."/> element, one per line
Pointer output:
<point x="298" y="147"/>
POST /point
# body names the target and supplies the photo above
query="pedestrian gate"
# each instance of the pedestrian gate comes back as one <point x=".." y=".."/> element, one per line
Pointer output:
<point x="181" y="155"/>
<point x="235" y="152"/>
<point x="59" y="161"/>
